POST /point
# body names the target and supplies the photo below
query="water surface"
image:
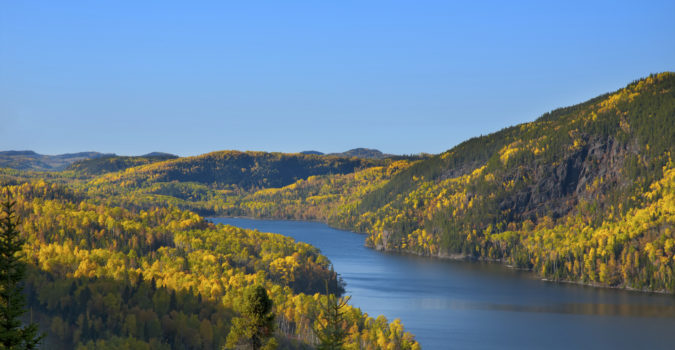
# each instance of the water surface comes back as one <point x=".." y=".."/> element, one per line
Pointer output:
<point x="468" y="305"/>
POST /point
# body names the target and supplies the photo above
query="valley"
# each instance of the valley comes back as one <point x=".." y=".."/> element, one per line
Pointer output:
<point x="120" y="253"/>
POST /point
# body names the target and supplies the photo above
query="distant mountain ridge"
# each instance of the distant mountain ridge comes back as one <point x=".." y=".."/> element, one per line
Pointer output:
<point x="366" y="153"/>
<point x="91" y="163"/>
<point x="97" y="163"/>
<point x="159" y="154"/>
<point x="30" y="160"/>
<point x="363" y="153"/>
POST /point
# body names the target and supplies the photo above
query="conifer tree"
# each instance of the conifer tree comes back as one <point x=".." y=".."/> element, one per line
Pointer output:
<point x="12" y="271"/>
<point x="255" y="329"/>
<point x="331" y="325"/>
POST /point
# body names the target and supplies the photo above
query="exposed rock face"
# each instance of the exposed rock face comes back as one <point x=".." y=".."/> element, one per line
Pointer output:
<point x="554" y="189"/>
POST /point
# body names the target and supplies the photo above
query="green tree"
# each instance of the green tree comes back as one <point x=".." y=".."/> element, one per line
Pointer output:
<point x="331" y="325"/>
<point x="12" y="271"/>
<point x="255" y="328"/>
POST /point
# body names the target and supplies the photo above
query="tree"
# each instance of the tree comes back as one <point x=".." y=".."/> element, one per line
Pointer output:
<point x="331" y="326"/>
<point x="255" y="328"/>
<point x="12" y="272"/>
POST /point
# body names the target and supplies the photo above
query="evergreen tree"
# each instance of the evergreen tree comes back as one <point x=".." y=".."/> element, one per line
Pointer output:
<point x="254" y="330"/>
<point x="331" y="325"/>
<point x="12" y="272"/>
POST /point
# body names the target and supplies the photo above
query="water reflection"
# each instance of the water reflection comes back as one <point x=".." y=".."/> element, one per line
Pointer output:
<point x="468" y="305"/>
<point x="624" y="310"/>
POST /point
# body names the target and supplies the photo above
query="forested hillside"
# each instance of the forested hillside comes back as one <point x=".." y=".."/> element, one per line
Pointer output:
<point x="237" y="170"/>
<point x="109" y="164"/>
<point x="105" y="277"/>
<point x="209" y="184"/>
<point x="583" y="193"/>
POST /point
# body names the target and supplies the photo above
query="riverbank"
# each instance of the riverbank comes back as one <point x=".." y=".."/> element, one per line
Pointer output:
<point x="456" y="302"/>
<point x="463" y="257"/>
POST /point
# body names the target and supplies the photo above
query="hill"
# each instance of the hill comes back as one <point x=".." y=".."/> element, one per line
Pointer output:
<point x="239" y="170"/>
<point x="108" y="164"/>
<point x="568" y="195"/>
<point x="160" y="155"/>
<point x="366" y="153"/>
<point x="363" y="153"/>
<point x="209" y="184"/>
<point x="29" y="160"/>
<point x="602" y="151"/>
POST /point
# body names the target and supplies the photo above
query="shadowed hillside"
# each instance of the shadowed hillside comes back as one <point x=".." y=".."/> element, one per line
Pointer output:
<point x="109" y="164"/>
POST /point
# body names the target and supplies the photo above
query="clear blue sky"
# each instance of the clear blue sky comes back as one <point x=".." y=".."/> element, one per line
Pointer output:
<point x="189" y="77"/>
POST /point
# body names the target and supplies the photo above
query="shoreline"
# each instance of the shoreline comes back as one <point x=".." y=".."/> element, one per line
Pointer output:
<point x="460" y="257"/>
<point x="463" y="257"/>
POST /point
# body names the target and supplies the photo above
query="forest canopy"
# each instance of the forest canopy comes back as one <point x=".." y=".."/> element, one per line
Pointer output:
<point x="120" y="254"/>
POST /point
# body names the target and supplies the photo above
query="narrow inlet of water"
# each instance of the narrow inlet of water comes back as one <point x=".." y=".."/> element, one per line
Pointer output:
<point x="467" y="305"/>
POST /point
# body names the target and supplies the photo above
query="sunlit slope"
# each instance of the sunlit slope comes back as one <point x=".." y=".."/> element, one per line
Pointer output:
<point x="109" y="277"/>
<point x="330" y="198"/>
<point x="588" y="171"/>
<point x="583" y="167"/>
<point x="210" y="183"/>
<point x="234" y="169"/>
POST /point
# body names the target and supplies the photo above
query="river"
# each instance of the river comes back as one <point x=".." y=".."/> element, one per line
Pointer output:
<point x="470" y="305"/>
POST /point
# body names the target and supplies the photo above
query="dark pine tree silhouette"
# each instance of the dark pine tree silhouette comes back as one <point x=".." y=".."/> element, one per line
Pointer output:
<point x="13" y="335"/>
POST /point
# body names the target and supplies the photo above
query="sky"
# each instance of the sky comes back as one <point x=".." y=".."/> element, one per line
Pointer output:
<point x="190" y="77"/>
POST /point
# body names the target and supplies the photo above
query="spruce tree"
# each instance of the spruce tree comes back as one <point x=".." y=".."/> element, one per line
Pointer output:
<point x="13" y="335"/>
<point x="331" y="326"/>
<point x="255" y="329"/>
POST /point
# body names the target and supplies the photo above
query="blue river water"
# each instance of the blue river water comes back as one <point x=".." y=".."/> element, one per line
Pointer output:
<point x="469" y="305"/>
